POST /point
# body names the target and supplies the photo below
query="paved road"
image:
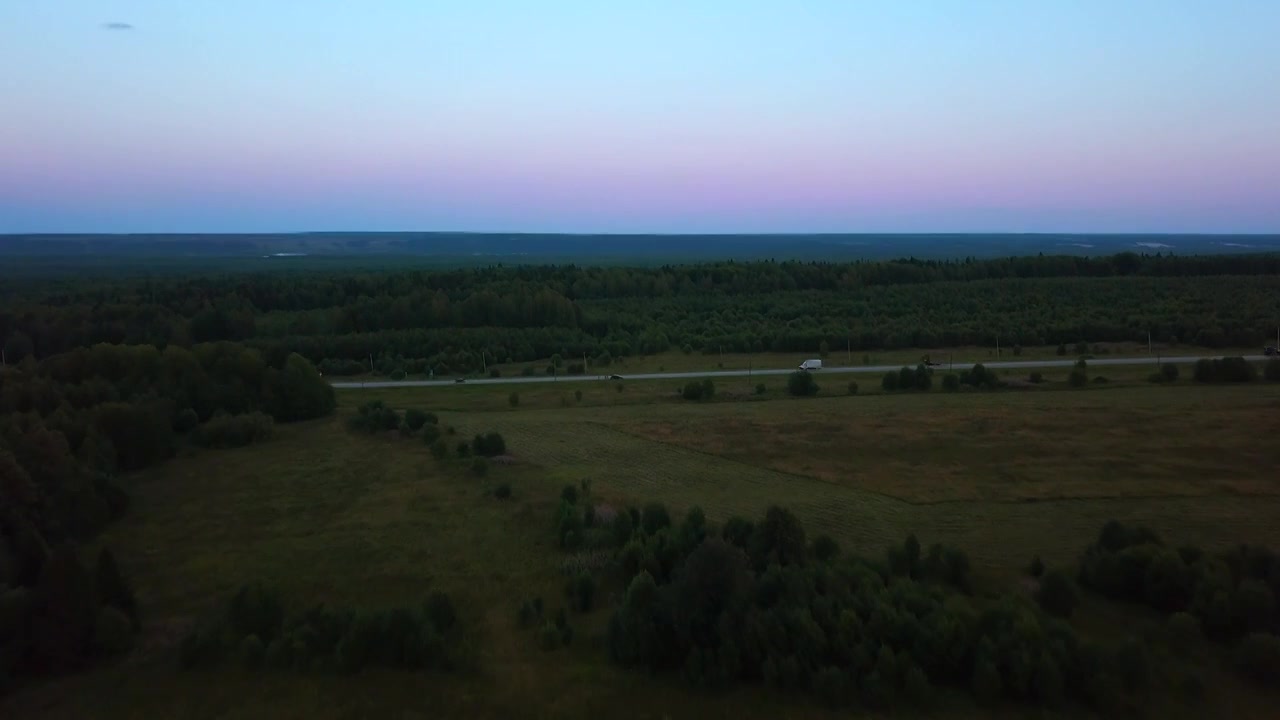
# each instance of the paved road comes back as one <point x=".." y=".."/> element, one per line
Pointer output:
<point x="1001" y="365"/>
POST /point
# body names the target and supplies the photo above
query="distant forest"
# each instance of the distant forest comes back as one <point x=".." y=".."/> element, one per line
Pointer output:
<point x="457" y="320"/>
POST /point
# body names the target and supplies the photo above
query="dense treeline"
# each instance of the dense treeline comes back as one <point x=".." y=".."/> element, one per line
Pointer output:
<point x="461" y="319"/>
<point x="761" y="602"/>
<point x="68" y="425"/>
<point x="255" y="631"/>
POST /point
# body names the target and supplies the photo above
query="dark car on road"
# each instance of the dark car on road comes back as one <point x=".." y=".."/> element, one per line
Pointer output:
<point x="615" y="377"/>
<point x="1270" y="350"/>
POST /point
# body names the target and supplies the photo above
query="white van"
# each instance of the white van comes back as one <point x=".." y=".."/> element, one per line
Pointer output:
<point x="811" y="365"/>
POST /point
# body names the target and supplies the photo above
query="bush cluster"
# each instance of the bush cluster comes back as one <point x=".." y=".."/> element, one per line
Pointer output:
<point x="374" y="417"/>
<point x="754" y="602"/>
<point x="489" y="444"/>
<point x="699" y="390"/>
<point x="255" y="630"/>
<point x="920" y="379"/>
<point x="801" y="384"/>
<point x="227" y="431"/>
<point x="1226" y="596"/>
<point x="1224" y="370"/>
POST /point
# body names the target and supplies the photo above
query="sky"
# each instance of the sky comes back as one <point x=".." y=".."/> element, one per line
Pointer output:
<point x="655" y="116"/>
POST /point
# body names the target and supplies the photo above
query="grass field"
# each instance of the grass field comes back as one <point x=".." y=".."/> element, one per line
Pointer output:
<point x="326" y="515"/>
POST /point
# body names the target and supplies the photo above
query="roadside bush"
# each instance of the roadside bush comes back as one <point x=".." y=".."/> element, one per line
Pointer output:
<point x="439" y="449"/>
<point x="1223" y="370"/>
<point x="503" y="491"/>
<point x="577" y="396"/>
<point x="464" y="449"/>
<point x="1036" y="568"/>
<point x="495" y="373"/>
<point x="1036" y="378"/>
<point x="889" y="383"/>
<point x="530" y="613"/>
<point x="950" y="382"/>
<point x="513" y="399"/>
<point x="801" y="384"/>
<point x="228" y="431"/>
<point x="761" y="389"/>
<point x="1169" y="372"/>
<point x="480" y="467"/>
<point x="397" y="374"/>
<point x="415" y="419"/>
<point x="654" y="517"/>
<point x="1271" y="371"/>
<point x="576" y="368"/>
<point x="1079" y="376"/>
<point x="852" y="387"/>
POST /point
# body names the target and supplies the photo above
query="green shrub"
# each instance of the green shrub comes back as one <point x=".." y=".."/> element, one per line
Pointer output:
<point x="761" y="389"/>
<point x="530" y="612"/>
<point x="252" y="652"/>
<point x="480" y="467"/>
<point x="852" y="387"/>
<point x="654" y="517"/>
<point x="569" y="494"/>
<point x="228" y="431"/>
<point x="185" y="421"/>
<point x="1258" y="658"/>
<point x="697" y="390"/>
<point x="1036" y="569"/>
<point x="581" y="591"/>
<point x="440" y="449"/>
<point x="1184" y="631"/>
<point x="1036" y="378"/>
<point x="529" y="371"/>
<point x="801" y="384"/>
<point x="1271" y="371"/>
<point x="414" y="419"/>
<point x="489" y="445"/>
<point x="503" y="491"/>
<point x="950" y="382"/>
<point x="1169" y="372"/>
<point x="430" y="433"/>
<point x="374" y="417"/>
<point x="549" y="636"/>
<point x="464" y="449"/>
<point x="513" y="399"/>
<point x="112" y="632"/>
<point x="495" y="372"/>
<point x="889" y="383"/>
<point x="1057" y="593"/>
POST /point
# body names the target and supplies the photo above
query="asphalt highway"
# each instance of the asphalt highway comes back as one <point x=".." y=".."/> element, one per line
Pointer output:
<point x="829" y="370"/>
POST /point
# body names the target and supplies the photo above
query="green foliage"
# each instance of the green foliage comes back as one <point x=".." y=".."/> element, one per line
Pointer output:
<point x="514" y="399"/>
<point x="503" y="491"/>
<point x="113" y="589"/>
<point x="549" y="637"/>
<point x="889" y="383"/>
<point x="622" y="528"/>
<point x="1224" y="370"/>
<point x="1035" y="378"/>
<point x="1079" y="376"/>
<point x="801" y="384"/>
<point x="761" y="389"/>
<point x="415" y="418"/>
<point x="654" y="517"/>
<point x="1271" y="370"/>
<point x="530" y="613"/>
<point x="464" y="449"/>
<point x="112" y="632"/>
<point x="407" y="638"/>
<point x="1036" y="568"/>
<point x="1169" y="372"/>
<point x="440" y="449"/>
<point x="480" y="467"/>
<point x="852" y="387"/>
<point x="794" y="616"/>
<point x="577" y="396"/>
<point x="569" y="494"/>
<point x="1258" y="658"/>
<point x="490" y="444"/>
<point x="581" y="591"/>
<point x="374" y="417"/>
<point x="825" y="548"/>
<point x="1057" y="593"/>
<point x="430" y="433"/>
<point x="698" y="390"/>
<point x="950" y="382"/>
<point x="1184" y="631"/>
<point x="228" y="431"/>
<point x="185" y="421"/>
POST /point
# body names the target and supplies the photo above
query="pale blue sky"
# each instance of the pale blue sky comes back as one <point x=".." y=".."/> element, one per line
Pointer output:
<point x="629" y="116"/>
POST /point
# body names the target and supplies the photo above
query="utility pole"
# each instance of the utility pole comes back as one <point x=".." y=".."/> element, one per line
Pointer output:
<point x="997" y="347"/>
<point x="848" y="348"/>
<point x="1148" y="342"/>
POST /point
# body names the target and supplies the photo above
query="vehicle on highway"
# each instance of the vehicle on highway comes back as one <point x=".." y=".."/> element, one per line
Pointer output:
<point x="811" y="365"/>
<point x="1270" y="350"/>
<point x="615" y="377"/>
<point x="460" y="380"/>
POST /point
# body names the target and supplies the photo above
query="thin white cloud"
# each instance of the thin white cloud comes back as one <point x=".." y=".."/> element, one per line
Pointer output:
<point x="117" y="26"/>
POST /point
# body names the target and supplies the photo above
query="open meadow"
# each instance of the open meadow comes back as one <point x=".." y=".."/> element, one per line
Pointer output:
<point x="327" y="515"/>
